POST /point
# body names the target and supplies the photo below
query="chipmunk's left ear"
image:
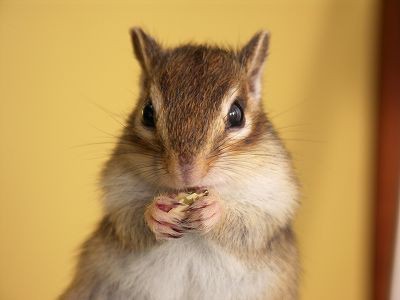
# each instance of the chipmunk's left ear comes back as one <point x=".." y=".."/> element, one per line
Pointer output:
<point x="146" y="49"/>
<point x="252" y="57"/>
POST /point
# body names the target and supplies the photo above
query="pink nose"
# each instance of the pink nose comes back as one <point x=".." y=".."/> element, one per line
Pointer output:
<point x="186" y="168"/>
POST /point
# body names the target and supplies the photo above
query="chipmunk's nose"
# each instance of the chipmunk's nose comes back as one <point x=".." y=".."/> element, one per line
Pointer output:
<point x="189" y="169"/>
<point x="186" y="167"/>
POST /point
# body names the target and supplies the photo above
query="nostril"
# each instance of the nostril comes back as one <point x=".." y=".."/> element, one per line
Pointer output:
<point x="186" y="168"/>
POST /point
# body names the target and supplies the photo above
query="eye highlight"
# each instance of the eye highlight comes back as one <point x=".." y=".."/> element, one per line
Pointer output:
<point x="235" y="116"/>
<point x="148" y="115"/>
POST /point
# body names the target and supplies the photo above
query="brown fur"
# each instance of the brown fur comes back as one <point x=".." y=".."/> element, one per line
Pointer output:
<point x="188" y="87"/>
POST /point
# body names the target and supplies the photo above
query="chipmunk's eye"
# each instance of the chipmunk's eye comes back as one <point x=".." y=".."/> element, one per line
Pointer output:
<point x="235" y="116"/>
<point x="148" y="115"/>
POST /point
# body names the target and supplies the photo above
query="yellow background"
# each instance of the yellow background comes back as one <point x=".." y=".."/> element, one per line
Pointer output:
<point x="68" y="77"/>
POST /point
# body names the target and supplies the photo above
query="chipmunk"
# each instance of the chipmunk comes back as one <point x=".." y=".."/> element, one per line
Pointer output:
<point x="198" y="125"/>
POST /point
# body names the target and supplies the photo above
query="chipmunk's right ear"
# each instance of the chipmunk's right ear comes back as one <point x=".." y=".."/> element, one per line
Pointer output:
<point x="252" y="57"/>
<point x="146" y="49"/>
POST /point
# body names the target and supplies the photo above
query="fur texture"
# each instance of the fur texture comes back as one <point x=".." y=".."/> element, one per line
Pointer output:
<point x="236" y="243"/>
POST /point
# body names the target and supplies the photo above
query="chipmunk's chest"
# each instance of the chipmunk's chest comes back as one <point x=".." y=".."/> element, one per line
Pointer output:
<point x="190" y="268"/>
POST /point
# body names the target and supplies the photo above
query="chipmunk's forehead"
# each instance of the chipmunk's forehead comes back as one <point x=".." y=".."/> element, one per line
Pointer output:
<point x="194" y="84"/>
<point x="196" y="74"/>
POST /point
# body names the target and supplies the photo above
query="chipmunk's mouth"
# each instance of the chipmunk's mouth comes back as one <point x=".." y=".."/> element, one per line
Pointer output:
<point x="193" y="189"/>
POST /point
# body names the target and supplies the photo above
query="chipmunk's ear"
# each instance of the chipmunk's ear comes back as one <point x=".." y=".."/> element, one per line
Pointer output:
<point x="146" y="49"/>
<point x="252" y="57"/>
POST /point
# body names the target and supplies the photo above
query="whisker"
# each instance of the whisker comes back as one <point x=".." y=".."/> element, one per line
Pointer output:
<point x="111" y="114"/>
<point x="290" y="108"/>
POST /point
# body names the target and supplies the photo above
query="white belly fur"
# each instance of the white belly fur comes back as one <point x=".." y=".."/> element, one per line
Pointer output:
<point x="188" y="268"/>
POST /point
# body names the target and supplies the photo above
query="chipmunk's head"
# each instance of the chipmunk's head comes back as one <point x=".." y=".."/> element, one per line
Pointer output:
<point x="199" y="119"/>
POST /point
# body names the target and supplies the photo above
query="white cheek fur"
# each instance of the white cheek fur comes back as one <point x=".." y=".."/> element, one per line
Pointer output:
<point x="121" y="188"/>
<point x="240" y="133"/>
<point x="265" y="185"/>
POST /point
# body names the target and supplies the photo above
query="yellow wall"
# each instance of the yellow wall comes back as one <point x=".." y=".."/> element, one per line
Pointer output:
<point x="61" y="60"/>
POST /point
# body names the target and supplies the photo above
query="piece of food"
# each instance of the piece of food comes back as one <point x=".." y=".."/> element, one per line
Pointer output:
<point x="187" y="199"/>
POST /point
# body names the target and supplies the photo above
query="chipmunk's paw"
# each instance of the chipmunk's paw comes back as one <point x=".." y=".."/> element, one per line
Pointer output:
<point x="203" y="214"/>
<point x="163" y="224"/>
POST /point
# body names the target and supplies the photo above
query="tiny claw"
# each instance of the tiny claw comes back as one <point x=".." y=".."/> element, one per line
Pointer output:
<point x="197" y="220"/>
<point x="178" y="230"/>
<point x="174" y="236"/>
<point x="196" y="208"/>
<point x="188" y="228"/>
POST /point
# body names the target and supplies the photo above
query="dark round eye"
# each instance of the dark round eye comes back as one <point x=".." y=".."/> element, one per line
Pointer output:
<point x="235" y="116"/>
<point x="148" y="115"/>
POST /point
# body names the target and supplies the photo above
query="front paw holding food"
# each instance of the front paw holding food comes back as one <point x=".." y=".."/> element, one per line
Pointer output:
<point x="163" y="224"/>
<point x="171" y="216"/>
<point x="203" y="214"/>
